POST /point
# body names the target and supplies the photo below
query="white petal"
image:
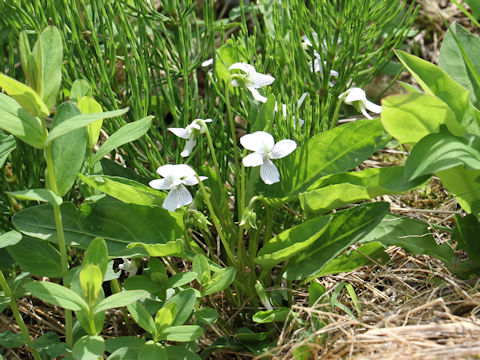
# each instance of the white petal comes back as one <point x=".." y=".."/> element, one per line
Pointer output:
<point x="177" y="197"/>
<point x="242" y="66"/>
<point x="364" y="112"/>
<point x="192" y="180"/>
<point x="181" y="132"/>
<point x="283" y="148"/>
<point x="207" y="62"/>
<point x="284" y="110"/>
<point x="355" y="94"/>
<point x="301" y="122"/>
<point x="188" y="147"/>
<point x="334" y="73"/>
<point x="301" y="100"/>
<point x="257" y="96"/>
<point x="235" y="83"/>
<point x="160" y="184"/>
<point x="259" y="141"/>
<point x="377" y="109"/>
<point x="254" y="159"/>
<point x="258" y="80"/>
<point x="177" y="171"/>
<point x="269" y="172"/>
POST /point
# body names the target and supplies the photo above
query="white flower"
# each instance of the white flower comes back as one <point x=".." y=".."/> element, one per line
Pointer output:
<point x="207" y="63"/>
<point x="129" y="266"/>
<point x="252" y="80"/>
<point x="299" y="104"/>
<point x="316" y="65"/>
<point x="265" y="150"/>
<point x="190" y="133"/>
<point x="175" y="177"/>
<point x="357" y="98"/>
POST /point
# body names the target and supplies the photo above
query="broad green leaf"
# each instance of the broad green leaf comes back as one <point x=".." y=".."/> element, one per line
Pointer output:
<point x="18" y="122"/>
<point x="164" y="317"/>
<point x="7" y="145"/>
<point x="411" y="234"/>
<point x="43" y="195"/>
<point x="131" y="342"/>
<point x="220" y="280"/>
<point x="152" y="351"/>
<point x="316" y="292"/>
<point x="180" y="353"/>
<point x="143" y="282"/>
<point x="89" y="106"/>
<point x="455" y="64"/>
<point x="142" y="317"/>
<point x="330" y="152"/>
<point x="91" y="280"/>
<point x="292" y="242"/>
<point x="127" y="133"/>
<point x="201" y="268"/>
<point x="185" y="301"/>
<point x="463" y="184"/>
<point x="345" y="228"/>
<point x="172" y="248"/>
<point x="206" y="316"/>
<point x="120" y="299"/>
<point x="269" y="316"/>
<point x="435" y="81"/>
<point x="97" y="254"/>
<point x="466" y="235"/>
<point x="49" y="78"/>
<point x="180" y="279"/>
<point x="118" y="223"/>
<point x="111" y="168"/>
<point x="265" y="116"/>
<point x="80" y="88"/>
<point x="337" y="190"/>
<point x="11" y="340"/>
<point x="80" y="121"/>
<point x="128" y="191"/>
<point x="124" y="353"/>
<point x="410" y="117"/>
<point x="437" y="152"/>
<point x="10" y="238"/>
<point x="37" y="257"/>
<point x="68" y="151"/>
<point x="88" y="348"/>
<point x="25" y="96"/>
<point x="475" y="6"/>
<point x="183" y="333"/>
<point x="227" y="55"/>
<point x="57" y="295"/>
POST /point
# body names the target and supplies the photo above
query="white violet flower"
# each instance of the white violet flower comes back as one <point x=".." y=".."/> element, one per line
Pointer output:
<point x="299" y="104"/>
<point x="356" y="97"/>
<point x="175" y="177"/>
<point x="129" y="266"/>
<point x="189" y="133"/>
<point x="252" y="79"/>
<point x="265" y="150"/>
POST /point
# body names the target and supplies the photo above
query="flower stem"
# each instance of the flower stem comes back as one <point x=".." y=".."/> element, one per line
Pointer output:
<point x="335" y="114"/>
<point x="18" y="316"/>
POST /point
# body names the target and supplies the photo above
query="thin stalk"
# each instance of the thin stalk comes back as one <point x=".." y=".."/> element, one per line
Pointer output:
<point x="18" y="316"/>
<point x="116" y="289"/>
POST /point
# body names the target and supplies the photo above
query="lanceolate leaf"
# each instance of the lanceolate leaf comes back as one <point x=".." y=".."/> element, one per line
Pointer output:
<point x="88" y="348"/>
<point x="57" y="295"/>
<point x="7" y="145"/>
<point x="120" y="299"/>
<point x="18" y="122"/>
<point x="10" y="238"/>
<point x="118" y="223"/>
<point x="90" y="106"/>
<point x="345" y="228"/>
<point x="127" y="133"/>
<point x="43" y="195"/>
<point x="463" y="184"/>
<point x="438" y="152"/>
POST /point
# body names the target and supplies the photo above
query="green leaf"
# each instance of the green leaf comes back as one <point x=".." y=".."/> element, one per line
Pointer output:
<point x="220" y="280"/>
<point x="269" y="316"/>
<point x="25" y="96"/>
<point x="124" y="353"/>
<point x="128" y="191"/>
<point x="68" y="151"/>
<point x="463" y="184"/>
<point x="466" y="235"/>
<point x="206" y="316"/>
<point x="435" y="81"/>
<point x="180" y="279"/>
<point x="164" y="318"/>
<point x="410" y="117"/>
<point x="91" y="280"/>
<point x="475" y="6"/>
<point x="80" y="121"/>
<point x="201" y="268"/>
<point x="18" y="122"/>
<point x="57" y="295"/>
<point x="88" y="348"/>
<point x="43" y="195"/>
<point x="7" y="145"/>
<point x="143" y="282"/>
<point x="330" y="152"/>
<point x="292" y="242"/>
<point x="345" y="228"/>
<point x="49" y="78"/>
<point x="80" y="88"/>
<point x="90" y="106"/>
<point x="142" y="317"/>
<point x="459" y="50"/>
<point x="10" y="238"/>
<point x="119" y="224"/>
<point x="131" y="342"/>
<point x="316" y="292"/>
<point x="265" y="116"/>
<point x="226" y="56"/>
<point x="185" y="301"/>
<point x="437" y="152"/>
<point x="11" y="340"/>
<point x="183" y="333"/>
<point x="172" y="248"/>
<point x="97" y="254"/>
<point x="180" y="353"/>
<point x="152" y="351"/>
<point x="120" y="299"/>
<point x="37" y="257"/>
<point x="27" y="59"/>
<point x="337" y="190"/>
<point x="127" y="133"/>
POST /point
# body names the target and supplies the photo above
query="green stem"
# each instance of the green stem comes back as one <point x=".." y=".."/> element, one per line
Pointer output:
<point x="116" y="289"/>
<point x="335" y="114"/>
<point x="18" y="316"/>
<point x="267" y="235"/>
